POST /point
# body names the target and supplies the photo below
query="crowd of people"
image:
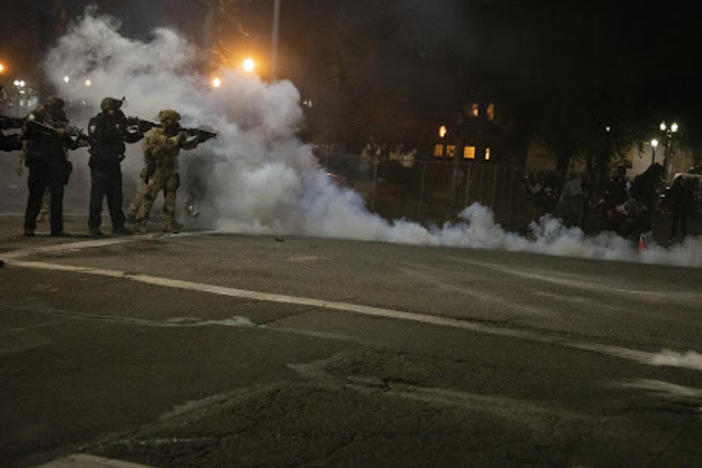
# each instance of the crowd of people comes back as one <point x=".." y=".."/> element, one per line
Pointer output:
<point x="627" y="207"/>
<point x="45" y="137"/>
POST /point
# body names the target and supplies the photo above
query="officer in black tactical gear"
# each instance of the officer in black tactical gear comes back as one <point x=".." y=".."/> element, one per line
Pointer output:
<point x="47" y="136"/>
<point x="108" y="133"/>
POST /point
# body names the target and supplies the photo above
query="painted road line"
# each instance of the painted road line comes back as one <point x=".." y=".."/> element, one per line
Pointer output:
<point x="83" y="460"/>
<point x="643" y="357"/>
<point x="595" y="284"/>
<point x="74" y="246"/>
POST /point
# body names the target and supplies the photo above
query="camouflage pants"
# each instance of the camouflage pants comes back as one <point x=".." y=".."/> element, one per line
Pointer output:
<point x="138" y="198"/>
<point x="166" y="180"/>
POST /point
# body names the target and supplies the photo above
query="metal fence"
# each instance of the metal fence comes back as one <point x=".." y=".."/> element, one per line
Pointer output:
<point x="433" y="191"/>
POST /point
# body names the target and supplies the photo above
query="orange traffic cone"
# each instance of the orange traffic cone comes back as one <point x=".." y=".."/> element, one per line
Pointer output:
<point x="642" y="244"/>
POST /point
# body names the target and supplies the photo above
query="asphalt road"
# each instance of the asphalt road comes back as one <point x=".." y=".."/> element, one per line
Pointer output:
<point x="206" y="349"/>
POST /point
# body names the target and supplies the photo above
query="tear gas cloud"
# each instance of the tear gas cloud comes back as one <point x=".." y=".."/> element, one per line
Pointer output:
<point x="260" y="177"/>
<point x="689" y="359"/>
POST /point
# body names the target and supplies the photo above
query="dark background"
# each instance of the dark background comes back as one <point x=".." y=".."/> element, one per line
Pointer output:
<point x="393" y="69"/>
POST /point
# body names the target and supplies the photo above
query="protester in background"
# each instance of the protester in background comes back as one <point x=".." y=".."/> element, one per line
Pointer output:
<point x="571" y="201"/>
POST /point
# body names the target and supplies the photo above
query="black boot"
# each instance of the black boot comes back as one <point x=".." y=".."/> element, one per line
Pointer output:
<point x="121" y="231"/>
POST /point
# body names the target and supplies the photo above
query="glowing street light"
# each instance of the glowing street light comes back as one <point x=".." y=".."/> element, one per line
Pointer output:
<point x="66" y="79"/>
<point x="2" y="67"/>
<point x="216" y="82"/>
<point x="654" y="144"/>
<point x="442" y="131"/>
<point x="249" y="65"/>
<point x="669" y="131"/>
<point x="88" y="83"/>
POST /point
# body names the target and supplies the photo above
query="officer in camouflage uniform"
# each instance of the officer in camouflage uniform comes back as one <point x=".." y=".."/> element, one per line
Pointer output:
<point x="139" y="196"/>
<point x="108" y="134"/>
<point x="161" y="149"/>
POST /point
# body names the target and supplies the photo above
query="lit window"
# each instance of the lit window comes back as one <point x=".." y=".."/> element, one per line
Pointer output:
<point x="439" y="151"/>
<point x="491" y="112"/>
<point x="475" y="109"/>
<point x="442" y="131"/>
<point x="469" y="152"/>
<point x="487" y="154"/>
<point x="451" y="151"/>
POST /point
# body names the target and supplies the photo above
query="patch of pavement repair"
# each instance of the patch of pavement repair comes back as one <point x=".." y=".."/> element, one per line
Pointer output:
<point x="317" y="371"/>
<point x="176" y="428"/>
<point x="642" y="357"/>
<point x="230" y="424"/>
<point x="82" y="460"/>
<point x="180" y="416"/>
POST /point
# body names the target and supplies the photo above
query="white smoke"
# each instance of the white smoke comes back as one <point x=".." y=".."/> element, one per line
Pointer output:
<point x="262" y="178"/>
<point x="667" y="357"/>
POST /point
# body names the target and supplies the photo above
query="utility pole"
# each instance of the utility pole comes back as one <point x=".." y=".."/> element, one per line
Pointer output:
<point x="276" y="38"/>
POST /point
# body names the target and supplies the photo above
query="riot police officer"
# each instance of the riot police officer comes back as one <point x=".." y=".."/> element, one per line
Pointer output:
<point x="108" y="133"/>
<point x="46" y="136"/>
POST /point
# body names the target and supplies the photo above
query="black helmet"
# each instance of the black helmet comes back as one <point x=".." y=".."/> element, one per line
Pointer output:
<point x="53" y="101"/>
<point x="110" y="103"/>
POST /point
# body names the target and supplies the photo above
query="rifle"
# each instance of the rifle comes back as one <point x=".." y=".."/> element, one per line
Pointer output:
<point x="201" y="134"/>
<point x="137" y="124"/>
<point x="55" y="126"/>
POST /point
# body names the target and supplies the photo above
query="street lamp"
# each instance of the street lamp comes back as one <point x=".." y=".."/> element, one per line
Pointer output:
<point x="669" y="131"/>
<point x="276" y="39"/>
<point x="249" y="65"/>
<point x="216" y="82"/>
<point x="2" y="67"/>
<point x="654" y="144"/>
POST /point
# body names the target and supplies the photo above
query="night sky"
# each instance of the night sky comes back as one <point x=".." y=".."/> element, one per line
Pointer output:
<point x="426" y="58"/>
